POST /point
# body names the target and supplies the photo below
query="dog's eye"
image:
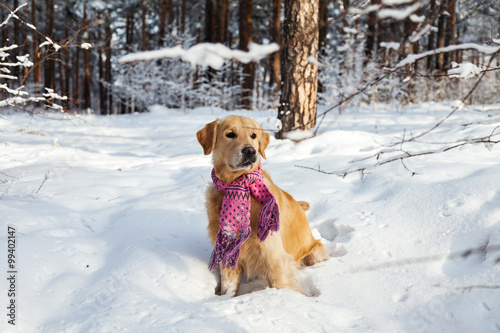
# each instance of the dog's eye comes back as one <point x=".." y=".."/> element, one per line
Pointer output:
<point x="231" y="135"/>
<point x="253" y="136"/>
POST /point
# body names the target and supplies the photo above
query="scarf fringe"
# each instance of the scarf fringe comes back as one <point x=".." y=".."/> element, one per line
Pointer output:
<point x="227" y="249"/>
<point x="269" y="219"/>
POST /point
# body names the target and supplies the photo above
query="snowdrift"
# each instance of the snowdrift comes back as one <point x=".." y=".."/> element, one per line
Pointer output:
<point x="110" y="226"/>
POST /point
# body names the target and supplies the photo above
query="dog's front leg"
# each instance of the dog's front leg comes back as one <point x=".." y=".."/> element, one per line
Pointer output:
<point x="230" y="280"/>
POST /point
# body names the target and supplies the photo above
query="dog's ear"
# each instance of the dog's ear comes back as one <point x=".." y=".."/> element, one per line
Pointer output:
<point x="206" y="136"/>
<point x="263" y="142"/>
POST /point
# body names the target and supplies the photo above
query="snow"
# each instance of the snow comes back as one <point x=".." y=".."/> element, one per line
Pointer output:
<point x="367" y="10"/>
<point x="417" y="19"/>
<point x="390" y="45"/>
<point x="50" y="42"/>
<point x="12" y="14"/>
<point x="111" y="227"/>
<point x="465" y="70"/>
<point x="205" y="54"/>
<point x="86" y="46"/>
<point x="299" y="135"/>
<point x="396" y="2"/>
<point x="465" y="46"/>
<point x="398" y="14"/>
<point x="416" y="35"/>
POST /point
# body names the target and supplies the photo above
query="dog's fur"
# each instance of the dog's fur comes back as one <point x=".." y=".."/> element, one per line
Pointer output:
<point x="282" y="253"/>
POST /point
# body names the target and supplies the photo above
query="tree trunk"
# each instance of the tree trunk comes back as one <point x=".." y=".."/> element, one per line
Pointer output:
<point x="431" y="41"/>
<point x="441" y="40"/>
<point x="37" y="69"/>
<point x="275" y="61"/>
<point x="451" y="31"/>
<point x="108" y="99"/>
<point x="76" y="79"/>
<point x="223" y="21"/>
<point x="371" y="39"/>
<point x="345" y="4"/>
<point x="3" y="32"/>
<point x="323" y="22"/>
<point x="183" y="17"/>
<point x="86" y="62"/>
<point x="129" y="38"/>
<point x="170" y="13"/>
<point x="15" y="38"/>
<point x="297" y="108"/>
<point x="100" y="64"/>
<point x="67" y="71"/>
<point x="162" y="23"/>
<point x="143" y="21"/>
<point x="49" y="53"/>
<point x="209" y="21"/>
<point x="411" y="47"/>
<point x="323" y="30"/>
<point x="245" y="31"/>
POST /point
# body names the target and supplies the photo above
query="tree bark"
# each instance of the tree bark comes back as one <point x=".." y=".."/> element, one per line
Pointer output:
<point x="275" y="58"/>
<point x="49" y="53"/>
<point x="108" y="99"/>
<point x="345" y="4"/>
<point x="87" y="102"/>
<point x="143" y="21"/>
<point x="76" y="79"/>
<point x="323" y="22"/>
<point x="100" y="64"/>
<point x="441" y="40"/>
<point x="162" y="23"/>
<point x="223" y="21"/>
<point x="129" y="38"/>
<point x="371" y="39"/>
<point x="16" y="39"/>
<point x="209" y="21"/>
<point x="297" y="108"/>
<point x="451" y="31"/>
<point x="183" y="17"/>
<point x="37" y="69"/>
<point x="431" y="41"/>
<point x="170" y="13"/>
<point x="245" y="31"/>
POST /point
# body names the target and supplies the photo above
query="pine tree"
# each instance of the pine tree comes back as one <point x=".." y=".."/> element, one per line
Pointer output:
<point x="297" y="109"/>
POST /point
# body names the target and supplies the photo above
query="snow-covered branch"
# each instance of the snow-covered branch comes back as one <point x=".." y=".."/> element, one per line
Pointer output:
<point x="18" y="96"/>
<point x="12" y="15"/>
<point x="465" y="70"/>
<point x="205" y="54"/>
<point x="486" y="49"/>
<point x="399" y="14"/>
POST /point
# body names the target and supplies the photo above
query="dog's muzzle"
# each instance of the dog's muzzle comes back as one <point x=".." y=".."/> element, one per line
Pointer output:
<point x="248" y="156"/>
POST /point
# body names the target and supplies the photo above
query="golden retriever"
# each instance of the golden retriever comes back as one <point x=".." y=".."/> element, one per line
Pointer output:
<point x="236" y="144"/>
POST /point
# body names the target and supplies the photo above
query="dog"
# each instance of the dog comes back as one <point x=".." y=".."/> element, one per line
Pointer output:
<point x="237" y="145"/>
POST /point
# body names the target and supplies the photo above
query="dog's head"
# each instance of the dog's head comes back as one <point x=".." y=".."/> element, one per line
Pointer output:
<point x="236" y="144"/>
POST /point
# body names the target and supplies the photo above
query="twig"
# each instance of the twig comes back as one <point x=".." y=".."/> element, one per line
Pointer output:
<point x="45" y="179"/>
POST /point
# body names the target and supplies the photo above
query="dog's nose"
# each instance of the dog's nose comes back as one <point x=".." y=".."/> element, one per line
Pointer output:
<point x="249" y="152"/>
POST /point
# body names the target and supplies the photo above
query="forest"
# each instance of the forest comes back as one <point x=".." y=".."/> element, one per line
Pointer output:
<point x="64" y="54"/>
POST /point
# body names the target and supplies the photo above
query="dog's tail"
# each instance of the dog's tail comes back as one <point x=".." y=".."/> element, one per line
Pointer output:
<point x="304" y="205"/>
<point x="316" y="254"/>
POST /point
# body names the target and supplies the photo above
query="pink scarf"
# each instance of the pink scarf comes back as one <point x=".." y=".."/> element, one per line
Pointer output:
<point x="235" y="216"/>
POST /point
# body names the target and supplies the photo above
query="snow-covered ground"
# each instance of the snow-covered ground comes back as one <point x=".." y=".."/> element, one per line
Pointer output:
<point x="111" y="228"/>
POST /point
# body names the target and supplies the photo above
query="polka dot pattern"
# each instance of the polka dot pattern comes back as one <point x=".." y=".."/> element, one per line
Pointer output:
<point x="235" y="215"/>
